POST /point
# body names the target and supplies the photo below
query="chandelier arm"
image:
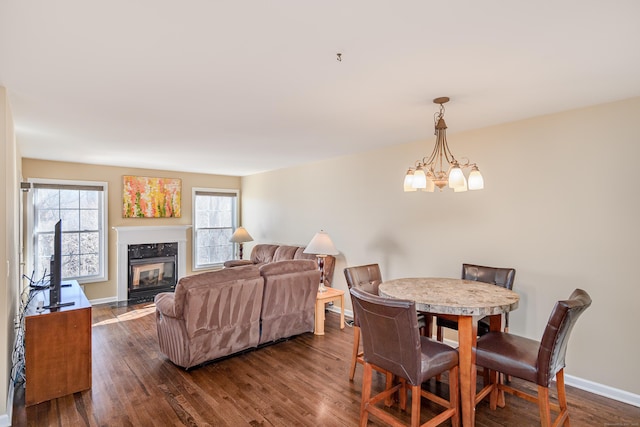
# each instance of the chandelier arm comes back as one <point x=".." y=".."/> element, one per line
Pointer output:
<point x="447" y="152"/>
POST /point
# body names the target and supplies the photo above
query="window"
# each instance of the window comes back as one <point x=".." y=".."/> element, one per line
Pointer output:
<point x="215" y="216"/>
<point x="81" y="207"/>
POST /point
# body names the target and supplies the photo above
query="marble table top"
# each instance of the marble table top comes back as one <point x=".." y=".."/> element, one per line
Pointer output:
<point x="452" y="296"/>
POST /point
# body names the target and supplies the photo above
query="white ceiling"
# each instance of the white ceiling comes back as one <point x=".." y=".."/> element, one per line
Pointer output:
<point x="239" y="87"/>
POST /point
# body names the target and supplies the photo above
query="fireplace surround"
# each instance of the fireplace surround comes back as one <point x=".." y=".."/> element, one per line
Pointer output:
<point x="134" y="235"/>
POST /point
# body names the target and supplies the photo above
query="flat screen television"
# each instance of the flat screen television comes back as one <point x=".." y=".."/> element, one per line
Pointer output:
<point x="55" y="278"/>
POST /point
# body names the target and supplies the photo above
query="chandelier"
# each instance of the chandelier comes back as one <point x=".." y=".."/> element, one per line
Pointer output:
<point x="441" y="168"/>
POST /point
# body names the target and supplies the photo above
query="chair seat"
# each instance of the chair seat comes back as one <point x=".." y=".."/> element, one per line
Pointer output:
<point x="509" y="354"/>
<point x="436" y="358"/>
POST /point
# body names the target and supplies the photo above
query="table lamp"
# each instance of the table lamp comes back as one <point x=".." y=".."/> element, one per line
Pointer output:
<point x="321" y="245"/>
<point x="240" y="236"/>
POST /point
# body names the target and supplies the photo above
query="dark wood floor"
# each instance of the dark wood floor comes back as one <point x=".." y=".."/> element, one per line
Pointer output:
<point x="299" y="382"/>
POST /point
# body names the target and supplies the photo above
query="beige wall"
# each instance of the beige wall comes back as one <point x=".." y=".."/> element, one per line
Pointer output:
<point x="560" y="205"/>
<point x="113" y="175"/>
<point x="9" y="252"/>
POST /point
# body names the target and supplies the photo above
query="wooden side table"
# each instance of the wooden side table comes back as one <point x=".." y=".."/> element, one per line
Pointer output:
<point x="57" y="347"/>
<point x="322" y="298"/>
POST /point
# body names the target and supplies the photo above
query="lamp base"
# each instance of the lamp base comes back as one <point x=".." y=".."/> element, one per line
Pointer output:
<point x="322" y="288"/>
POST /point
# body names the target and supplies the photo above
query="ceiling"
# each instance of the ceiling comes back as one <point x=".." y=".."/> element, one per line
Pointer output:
<point x="240" y="87"/>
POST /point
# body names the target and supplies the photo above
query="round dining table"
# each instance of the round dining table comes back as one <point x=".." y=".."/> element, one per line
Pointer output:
<point x="469" y="301"/>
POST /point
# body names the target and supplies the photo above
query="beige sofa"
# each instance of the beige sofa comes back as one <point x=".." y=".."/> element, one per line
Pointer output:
<point x="216" y="314"/>
<point x="265" y="253"/>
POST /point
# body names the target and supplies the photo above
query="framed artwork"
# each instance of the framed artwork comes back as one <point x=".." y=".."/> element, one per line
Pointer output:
<point x="144" y="197"/>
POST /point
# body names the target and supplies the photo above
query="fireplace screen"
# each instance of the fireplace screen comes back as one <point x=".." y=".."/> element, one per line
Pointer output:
<point x="152" y="269"/>
<point x="149" y="274"/>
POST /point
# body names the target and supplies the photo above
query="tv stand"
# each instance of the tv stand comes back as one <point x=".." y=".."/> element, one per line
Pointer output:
<point x="57" y="345"/>
<point x="59" y="305"/>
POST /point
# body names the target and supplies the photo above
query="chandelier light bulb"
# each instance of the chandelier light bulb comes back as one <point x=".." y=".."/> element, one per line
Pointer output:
<point x="430" y="185"/>
<point x="461" y="188"/>
<point x="408" y="181"/>
<point x="456" y="177"/>
<point x="476" y="182"/>
<point x="419" y="179"/>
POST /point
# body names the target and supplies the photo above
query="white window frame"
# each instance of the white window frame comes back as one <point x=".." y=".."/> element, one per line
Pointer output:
<point x="103" y="274"/>
<point x="235" y="219"/>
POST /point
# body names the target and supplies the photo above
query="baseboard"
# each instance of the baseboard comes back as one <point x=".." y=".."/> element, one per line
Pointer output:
<point x="103" y="300"/>
<point x="603" y="390"/>
<point x="586" y="385"/>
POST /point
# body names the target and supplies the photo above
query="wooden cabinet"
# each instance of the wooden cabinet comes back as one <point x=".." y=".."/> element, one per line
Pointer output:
<point x="57" y="346"/>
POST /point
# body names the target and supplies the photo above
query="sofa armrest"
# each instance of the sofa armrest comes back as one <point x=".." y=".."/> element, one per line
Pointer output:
<point x="237" y="262"/>
<point x="165" y="304"/>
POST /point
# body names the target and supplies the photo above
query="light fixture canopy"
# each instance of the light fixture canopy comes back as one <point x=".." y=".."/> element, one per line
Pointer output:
<point x="441" y="169"/>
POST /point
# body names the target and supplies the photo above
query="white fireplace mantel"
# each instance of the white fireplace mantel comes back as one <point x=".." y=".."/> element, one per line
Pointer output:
<point x="138" y="235"/>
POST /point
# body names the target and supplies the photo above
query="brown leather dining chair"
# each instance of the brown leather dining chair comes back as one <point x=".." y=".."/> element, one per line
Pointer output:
<point x="533" y="361"/>
<point x="392" y="342"/>
<point x="367" y="278"/>
<point x="498" y="276"/>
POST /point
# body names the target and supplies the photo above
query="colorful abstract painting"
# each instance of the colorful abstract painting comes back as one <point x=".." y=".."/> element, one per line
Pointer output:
<point x="145" y="197"/>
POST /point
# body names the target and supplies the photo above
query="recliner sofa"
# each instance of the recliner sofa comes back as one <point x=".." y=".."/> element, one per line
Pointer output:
<point x="220" y="313"/>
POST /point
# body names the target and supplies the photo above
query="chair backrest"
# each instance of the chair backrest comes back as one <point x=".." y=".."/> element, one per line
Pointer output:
<point x="553" y="345"/>
<point x="364" y="277"/>
<point x="498" y="276"/>
<point x="390" y="335"/>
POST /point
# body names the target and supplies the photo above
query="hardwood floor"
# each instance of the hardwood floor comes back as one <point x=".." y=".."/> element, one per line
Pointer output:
<point x="299" y="382"/>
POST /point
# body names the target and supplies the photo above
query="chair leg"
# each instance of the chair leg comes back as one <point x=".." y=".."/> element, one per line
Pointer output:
<point x="454" y="395"/>
<point x="388" y="401"/>
<point x="439" y="337"/>
<point x="544" y="406"/>
<point x="494" y="396"/>
<point x="403" y="394"/>
<point x="356" y="349"/>
<point x="416" y="397"/>
<point x="366" y="394"/>
<point x="562" y="400"/>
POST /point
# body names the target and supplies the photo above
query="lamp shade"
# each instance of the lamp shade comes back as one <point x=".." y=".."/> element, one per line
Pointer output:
<point x="419" y="179"/>
<point x="476" y="182"/>
<point x="321" y="244"/>
<point x="408" y="181"/>
<point x="456" y="177"/>
<point x="240" y="236"/>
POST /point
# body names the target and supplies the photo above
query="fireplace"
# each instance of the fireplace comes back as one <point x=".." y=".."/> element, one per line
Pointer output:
<point x="143" y="236"/>
<point x="152" y="269"/>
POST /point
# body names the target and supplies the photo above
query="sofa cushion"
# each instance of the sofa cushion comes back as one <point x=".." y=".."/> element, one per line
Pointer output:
<point x="301" y="255"/>
<point x="284" y="253"/>
<point x="187" y="283"/>
<point x="263" y="253"/>
<point x="288" y="266"/>
<point x="288" y="303"/>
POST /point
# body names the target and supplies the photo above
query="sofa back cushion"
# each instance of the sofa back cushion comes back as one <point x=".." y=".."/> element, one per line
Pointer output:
<point x="262" y="253"/>
<point x="284" y="253"/>
<point x="288" y="302"/>
<point x="203" y="285"/>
